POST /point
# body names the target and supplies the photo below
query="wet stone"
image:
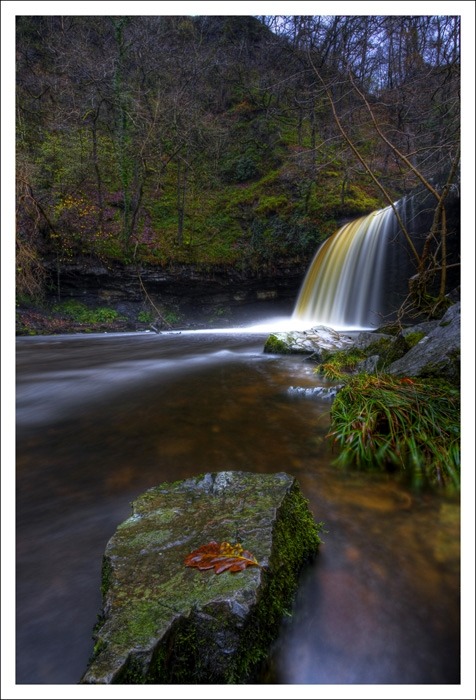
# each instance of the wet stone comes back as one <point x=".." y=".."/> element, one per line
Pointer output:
<point x="313" y="341"/>
<point x="164" y="622"/>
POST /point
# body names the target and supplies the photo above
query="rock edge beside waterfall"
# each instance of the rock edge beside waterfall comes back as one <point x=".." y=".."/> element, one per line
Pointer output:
<point x="435" y="354"/>
<point x="163" y="622"/>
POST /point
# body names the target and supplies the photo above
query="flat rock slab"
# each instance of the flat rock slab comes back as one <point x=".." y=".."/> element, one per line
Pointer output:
<point x="164" y="622"/>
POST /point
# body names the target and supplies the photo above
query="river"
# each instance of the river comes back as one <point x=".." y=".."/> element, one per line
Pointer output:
<point x="101" y="418"/>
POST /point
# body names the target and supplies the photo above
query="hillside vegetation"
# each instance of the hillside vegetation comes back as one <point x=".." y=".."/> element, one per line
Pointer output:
<point x="231" y="141"/>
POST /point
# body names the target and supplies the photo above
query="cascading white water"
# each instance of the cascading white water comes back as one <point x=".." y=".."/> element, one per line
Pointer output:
<point x="344" y="287"/>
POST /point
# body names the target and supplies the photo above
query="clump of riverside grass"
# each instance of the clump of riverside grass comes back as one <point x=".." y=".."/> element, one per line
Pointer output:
<point x="388" y="423"/>
<point x="341" y="363"/>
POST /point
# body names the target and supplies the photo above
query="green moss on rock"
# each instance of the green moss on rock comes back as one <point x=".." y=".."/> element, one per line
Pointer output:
<point x="414" y="338"/>
<point x="448" y="367"/>
<point x="275" y="345"/>
<point x="165" y="623"/>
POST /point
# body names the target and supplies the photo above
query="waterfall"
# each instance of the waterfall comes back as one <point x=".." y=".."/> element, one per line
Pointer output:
<point x="353" y="276"/>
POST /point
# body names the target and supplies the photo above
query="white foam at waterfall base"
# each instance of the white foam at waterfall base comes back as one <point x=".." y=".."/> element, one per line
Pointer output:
<point x="274" y="325"/>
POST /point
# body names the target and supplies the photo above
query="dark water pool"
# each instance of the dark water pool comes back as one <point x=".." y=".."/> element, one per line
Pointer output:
<point x="102" y="418"/>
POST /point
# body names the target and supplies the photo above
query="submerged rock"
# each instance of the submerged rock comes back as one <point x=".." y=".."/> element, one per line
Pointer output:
<point x="163" y="622"/>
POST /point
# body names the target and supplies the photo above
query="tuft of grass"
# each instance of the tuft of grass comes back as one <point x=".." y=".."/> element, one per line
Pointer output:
<point x="391" y="423"/>
<point x="340" y="363"/>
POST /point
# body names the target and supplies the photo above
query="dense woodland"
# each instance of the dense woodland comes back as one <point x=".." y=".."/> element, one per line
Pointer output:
<point x="232" y="141"/>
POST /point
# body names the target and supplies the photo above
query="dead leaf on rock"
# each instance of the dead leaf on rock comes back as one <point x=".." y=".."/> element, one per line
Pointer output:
<point x="221" y="556"/>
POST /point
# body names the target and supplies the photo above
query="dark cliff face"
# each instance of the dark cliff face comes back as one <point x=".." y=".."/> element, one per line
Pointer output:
<point x="195" y="294"/>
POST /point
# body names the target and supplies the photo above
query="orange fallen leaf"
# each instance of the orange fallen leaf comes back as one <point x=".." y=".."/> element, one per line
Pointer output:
<point x="406" y="380"/>
<point x="221" y="556"/>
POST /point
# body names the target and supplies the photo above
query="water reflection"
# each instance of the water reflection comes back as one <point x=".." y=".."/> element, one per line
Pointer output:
<point x="100" y="419"/>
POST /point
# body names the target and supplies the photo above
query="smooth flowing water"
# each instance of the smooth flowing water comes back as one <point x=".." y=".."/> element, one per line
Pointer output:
<point x="355" y="278"/>
<point x="101" y="418"/>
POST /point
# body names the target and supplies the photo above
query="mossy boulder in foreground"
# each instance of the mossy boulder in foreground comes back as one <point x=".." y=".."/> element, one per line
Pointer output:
<point x="163" y="622"/>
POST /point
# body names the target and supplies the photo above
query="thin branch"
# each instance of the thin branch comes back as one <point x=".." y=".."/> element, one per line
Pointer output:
<point x="159" y="314"/>
<point x="366" y="166"/>
<point x="392" y="146"/>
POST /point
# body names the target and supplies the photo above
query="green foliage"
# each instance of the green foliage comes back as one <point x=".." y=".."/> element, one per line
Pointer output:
<point x="333" y="196"/>
<point x="243" y="169"/>
<point x="143" y="129"/>
<point x="103" y="315"/>
<point x="271" y="205"/>
<point x="146" y="316"/>
<point x="387" y="423"/>
<point x="171" y="317"/>
<point x="359" y="200"/>
<point x="340" y="363"/>
<point x="62" y="157"/>
<point x="251" y="207"/>
<point x="80" y="313"/>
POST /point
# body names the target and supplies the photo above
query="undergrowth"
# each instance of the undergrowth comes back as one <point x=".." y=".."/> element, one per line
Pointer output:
<point x="391" y="423"/>
<point x="340" y="363"/>
<point x="79" y="312"/>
